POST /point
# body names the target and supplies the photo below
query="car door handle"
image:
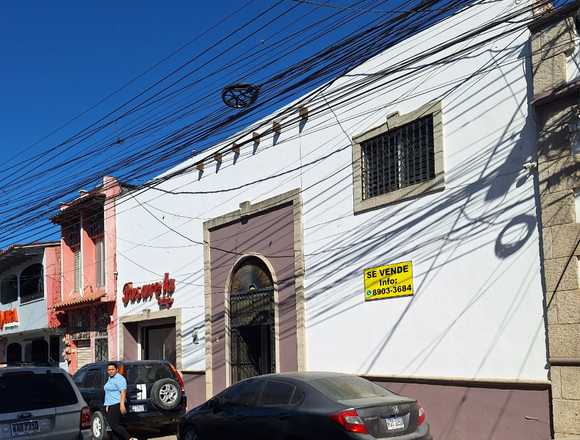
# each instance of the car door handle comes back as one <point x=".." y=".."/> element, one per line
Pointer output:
<point x="239" y="418"/>
<point x="284" y="416"/>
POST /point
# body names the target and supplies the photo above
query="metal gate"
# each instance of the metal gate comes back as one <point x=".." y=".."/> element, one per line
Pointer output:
<point x="252" y="334"/>
<point x="101" y="349"/>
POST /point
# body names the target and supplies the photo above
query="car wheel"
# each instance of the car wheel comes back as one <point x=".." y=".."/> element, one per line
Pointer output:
<point x="166" y="394"/>
<point x="98" y="426"/>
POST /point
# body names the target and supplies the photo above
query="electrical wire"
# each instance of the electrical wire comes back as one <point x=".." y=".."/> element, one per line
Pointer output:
<point x="383" y="72"/>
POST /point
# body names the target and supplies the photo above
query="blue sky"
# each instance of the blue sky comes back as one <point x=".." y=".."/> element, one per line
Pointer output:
<point x="58" y="59"/>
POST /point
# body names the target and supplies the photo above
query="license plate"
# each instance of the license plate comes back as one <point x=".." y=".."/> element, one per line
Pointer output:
<point x="23" y="428"/>
<point x="138" y="408"/>
<point x="394" y="423"/>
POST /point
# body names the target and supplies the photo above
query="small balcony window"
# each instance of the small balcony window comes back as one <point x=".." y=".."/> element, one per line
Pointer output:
<point x="9" y="289"/>
<point x="32" y="283"/>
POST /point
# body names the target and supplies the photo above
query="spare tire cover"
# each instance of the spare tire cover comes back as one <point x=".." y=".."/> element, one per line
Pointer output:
<point x="166" y="393"/>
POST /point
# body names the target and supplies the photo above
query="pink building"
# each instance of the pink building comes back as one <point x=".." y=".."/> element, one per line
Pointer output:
<point x="86" y="307"/>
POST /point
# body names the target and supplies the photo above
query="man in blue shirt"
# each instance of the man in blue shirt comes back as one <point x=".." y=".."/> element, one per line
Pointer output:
<point x="115" y="396"/>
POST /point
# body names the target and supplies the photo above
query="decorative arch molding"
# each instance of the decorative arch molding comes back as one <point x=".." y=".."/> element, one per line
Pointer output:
<point x="247" y="256"/>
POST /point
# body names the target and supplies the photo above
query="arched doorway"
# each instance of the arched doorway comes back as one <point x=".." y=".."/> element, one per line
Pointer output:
<point x="251" y="304"/>
<point x="13" y="353"/>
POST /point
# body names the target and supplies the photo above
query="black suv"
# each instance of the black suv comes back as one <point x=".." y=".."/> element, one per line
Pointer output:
<point x="155" y="397"/>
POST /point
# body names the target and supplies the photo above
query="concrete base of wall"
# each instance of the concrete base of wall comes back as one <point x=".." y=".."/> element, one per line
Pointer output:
<point x="194" y="388"/>
<point x="478" y="412"/>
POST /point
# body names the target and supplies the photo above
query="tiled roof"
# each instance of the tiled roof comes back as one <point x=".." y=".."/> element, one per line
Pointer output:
<point x="80" y="300"/>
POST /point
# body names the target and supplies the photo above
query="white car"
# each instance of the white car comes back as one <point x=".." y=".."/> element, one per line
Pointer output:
<point x="41" y="403"/>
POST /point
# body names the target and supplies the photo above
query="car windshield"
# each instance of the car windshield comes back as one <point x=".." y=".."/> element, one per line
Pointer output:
<point x="26" y="391"/>
<point x="349" y="387"/>
<point x="147" y="373"/>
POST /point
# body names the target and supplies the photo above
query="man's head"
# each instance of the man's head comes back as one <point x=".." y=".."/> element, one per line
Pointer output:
<point x="112" y="369"/>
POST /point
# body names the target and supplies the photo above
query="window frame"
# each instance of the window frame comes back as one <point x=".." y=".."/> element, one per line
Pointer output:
<point x="39" y="295"/>
<point x="79" y="376"/>
<point x="93" y="373"/>
<point x="100" y="263"/>
<point x="72" y="234"/>
<point x="77" y="274"/>
<point x="134" y="376"/>
<point x="396" y="120"/>
<point x="12" y="277"/>
<point x="295" y="389"/>
<point x="95" y="225"/>
<point x="224" y="398"/>
<point x="62" y="388"/>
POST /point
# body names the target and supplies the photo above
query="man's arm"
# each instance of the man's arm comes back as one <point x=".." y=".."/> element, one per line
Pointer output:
<point x="123" y="397"/>
<point x="123" y="389"/>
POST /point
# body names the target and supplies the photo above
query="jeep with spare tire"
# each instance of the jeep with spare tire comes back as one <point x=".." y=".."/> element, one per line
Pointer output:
<point x="155" y="397"/>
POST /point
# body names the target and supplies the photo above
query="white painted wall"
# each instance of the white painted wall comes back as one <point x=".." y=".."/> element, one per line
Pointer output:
<point x="477" y="311"/>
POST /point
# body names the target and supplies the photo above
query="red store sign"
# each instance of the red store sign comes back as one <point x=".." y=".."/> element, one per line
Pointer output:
<point x="8" y="317"/>
<point x="162" y="291"/>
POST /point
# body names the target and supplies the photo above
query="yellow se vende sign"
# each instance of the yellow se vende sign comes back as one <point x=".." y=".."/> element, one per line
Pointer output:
<point x="390" y="281"/>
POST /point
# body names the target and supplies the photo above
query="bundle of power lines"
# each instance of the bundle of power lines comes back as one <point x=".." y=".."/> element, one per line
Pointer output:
<point x="160" y="126"/>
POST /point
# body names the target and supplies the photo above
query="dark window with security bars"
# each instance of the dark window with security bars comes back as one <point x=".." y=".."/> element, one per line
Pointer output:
<point x="9" y="289"/>
<point x="71" y="233"/>
<point x="79" y="321"/>
<point x="399" y="158"/>
<point x="95" y="224"/>
<point x="32" y="283"/>
<point x="101" y="349"/>
<point x="102" y="320"/>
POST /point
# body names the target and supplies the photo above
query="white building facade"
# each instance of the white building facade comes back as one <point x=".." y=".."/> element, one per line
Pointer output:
<point x="255" y="259"/>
